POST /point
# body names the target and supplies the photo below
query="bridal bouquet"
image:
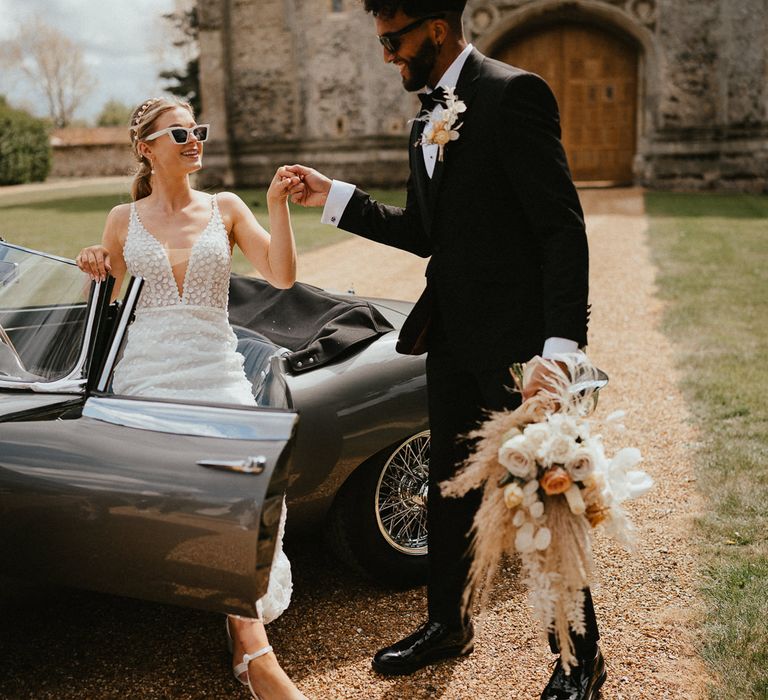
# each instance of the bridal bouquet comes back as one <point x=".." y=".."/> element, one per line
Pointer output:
<point x="547" y="481"/>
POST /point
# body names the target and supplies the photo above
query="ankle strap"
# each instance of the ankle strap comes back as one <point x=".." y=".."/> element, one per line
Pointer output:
<point x="247" y="658"/>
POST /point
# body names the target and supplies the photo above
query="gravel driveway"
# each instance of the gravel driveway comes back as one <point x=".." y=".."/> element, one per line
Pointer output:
<point x="59" y="643"/>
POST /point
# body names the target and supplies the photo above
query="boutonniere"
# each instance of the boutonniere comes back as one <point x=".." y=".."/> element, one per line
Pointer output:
<point x="443" y="123"/>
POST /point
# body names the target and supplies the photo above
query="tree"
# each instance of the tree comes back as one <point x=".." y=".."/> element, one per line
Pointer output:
<point x="54" y="64"/>
<point x="186" y="81"/>
<point x="114" y="113"/>
<point x="25" y="151"/>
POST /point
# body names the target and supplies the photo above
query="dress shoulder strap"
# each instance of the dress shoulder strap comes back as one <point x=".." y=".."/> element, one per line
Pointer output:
<point x="218" y="219"/>
<point x="133" y="217"/>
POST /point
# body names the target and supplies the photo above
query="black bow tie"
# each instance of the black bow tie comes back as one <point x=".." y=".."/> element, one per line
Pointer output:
<point x="429" y="100"/>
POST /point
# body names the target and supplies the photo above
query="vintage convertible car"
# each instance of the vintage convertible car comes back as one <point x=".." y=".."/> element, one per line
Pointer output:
<point x="179" y="501"/>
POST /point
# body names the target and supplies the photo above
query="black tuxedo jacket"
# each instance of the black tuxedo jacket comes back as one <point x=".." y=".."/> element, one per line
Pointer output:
<point x="500" y="218"/>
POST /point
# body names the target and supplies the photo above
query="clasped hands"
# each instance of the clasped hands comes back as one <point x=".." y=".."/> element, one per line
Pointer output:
<point x="313" y="187"/>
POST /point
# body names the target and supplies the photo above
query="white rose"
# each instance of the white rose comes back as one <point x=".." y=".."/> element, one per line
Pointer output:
<point x="566" y="425"/>
<point x="536" y="509"/>
<point x="556" y="450"/>
<point x="516" y="456"/>
<point x="537" y="434"/>
<point x="581" y="463"/>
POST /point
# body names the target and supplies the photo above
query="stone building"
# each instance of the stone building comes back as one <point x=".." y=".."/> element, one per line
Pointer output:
<point x="91" y="152"/>
<point x="664" y="93"/>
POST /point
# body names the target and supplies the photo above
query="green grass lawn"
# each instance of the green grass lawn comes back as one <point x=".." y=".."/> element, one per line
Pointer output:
<point x="62" y="221"/>
<point x="712" y="255"/>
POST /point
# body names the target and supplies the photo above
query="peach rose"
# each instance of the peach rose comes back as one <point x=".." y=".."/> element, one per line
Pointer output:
<point x="555" y="481"/>
<point x="442" y="136"/>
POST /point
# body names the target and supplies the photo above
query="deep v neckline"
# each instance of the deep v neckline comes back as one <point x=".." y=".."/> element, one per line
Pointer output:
<point x="180" y="294"/>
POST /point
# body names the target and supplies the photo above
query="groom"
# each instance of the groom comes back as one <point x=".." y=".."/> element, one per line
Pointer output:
<point x="498" y="213"/>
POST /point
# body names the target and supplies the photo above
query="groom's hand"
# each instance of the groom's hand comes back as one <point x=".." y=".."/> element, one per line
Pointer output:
<point x="316" y="187"/>
<point x="544" y="374"/>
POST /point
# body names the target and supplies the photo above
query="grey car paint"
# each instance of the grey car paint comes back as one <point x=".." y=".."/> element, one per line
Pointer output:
<point x="128" y="510"/>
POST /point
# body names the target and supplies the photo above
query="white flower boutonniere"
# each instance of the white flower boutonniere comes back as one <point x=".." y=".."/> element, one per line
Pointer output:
<point x="442" y="126"/>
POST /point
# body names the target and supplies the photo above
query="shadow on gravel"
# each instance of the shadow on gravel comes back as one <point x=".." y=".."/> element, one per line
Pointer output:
<point x="63" y="643"/>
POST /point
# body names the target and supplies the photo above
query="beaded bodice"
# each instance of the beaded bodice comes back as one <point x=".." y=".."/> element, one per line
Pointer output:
<point x="206" y="280"/>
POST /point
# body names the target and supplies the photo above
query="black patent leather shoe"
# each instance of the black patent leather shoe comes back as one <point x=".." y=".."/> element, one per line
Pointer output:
<point x="432" y="642"/>
<point x="583" y="683"/>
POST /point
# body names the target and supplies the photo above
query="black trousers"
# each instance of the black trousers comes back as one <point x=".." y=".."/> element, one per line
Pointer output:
<point x="458" y="401"/>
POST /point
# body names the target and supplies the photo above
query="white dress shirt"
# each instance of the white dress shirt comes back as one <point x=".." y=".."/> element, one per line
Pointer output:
<point x="341" y="192"/>
<point x="449" y="80"/>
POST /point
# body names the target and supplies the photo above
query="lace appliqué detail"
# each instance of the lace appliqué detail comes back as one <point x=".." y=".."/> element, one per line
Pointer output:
<point x="206" y="280"/>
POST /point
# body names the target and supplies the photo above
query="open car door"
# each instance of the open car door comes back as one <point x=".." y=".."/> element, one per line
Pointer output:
<point x="172" y="501"/>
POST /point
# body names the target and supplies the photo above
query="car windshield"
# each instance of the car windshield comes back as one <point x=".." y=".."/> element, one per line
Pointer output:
<point x="43" y="304"/>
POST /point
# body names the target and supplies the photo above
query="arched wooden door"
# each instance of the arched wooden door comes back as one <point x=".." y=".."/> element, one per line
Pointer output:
<point x="594" y="77"/>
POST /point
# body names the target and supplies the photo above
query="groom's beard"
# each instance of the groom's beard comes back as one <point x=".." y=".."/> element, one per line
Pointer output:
<point x="420" y="66"/>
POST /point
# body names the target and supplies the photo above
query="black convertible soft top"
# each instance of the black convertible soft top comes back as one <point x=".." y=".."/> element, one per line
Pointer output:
<point x="315" y="325"/>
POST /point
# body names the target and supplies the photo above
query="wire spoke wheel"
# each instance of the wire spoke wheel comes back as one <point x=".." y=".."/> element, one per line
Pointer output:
<point x="401" y="496"/>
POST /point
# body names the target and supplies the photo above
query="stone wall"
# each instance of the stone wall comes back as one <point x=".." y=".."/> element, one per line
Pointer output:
<point x="91" y="161"/>
<point x="91" y="152"/>
<point x="292" y="80"/>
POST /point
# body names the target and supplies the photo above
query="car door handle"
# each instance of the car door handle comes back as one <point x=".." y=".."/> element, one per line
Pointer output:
<point x="249" y="465"/>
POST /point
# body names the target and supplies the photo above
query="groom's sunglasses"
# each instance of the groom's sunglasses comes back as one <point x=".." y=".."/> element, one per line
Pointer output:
<point x="391" y="40"/>
<point x="181" y="134"/>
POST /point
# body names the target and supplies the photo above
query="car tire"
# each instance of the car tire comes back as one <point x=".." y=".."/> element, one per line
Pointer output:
<point x="378" y="522"/>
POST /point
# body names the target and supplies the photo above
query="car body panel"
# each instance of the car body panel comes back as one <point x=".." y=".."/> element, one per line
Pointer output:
<point x="350" y="411"/>
<point x="127" y="509"/>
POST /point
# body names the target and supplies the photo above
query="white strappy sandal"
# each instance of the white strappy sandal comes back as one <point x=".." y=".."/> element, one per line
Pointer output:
<point x="242" y="668"/>
<point x="230" y="642"/>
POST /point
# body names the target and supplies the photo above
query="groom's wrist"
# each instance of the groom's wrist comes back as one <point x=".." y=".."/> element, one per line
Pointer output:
<point x="556" y="346"/>
<point x="336" y="202"/>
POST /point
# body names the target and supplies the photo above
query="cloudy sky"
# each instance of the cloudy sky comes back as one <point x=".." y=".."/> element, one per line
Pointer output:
<point x="125" y="44"/>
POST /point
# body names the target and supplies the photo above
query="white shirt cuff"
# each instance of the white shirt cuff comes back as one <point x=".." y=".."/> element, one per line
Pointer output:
<point x="556" y="346"/>
<point x="338" y="198"/>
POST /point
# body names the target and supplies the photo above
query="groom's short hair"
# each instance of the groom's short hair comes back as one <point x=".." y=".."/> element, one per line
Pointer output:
<point x="413" y="8"/>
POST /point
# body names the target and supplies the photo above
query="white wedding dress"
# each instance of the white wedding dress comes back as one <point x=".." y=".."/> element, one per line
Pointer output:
<point x="182" y="347"/>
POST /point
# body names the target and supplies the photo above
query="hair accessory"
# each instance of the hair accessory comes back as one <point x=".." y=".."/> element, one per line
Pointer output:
<point x="144" y="107"/>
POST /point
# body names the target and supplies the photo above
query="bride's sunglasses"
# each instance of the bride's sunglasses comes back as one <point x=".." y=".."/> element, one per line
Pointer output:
<point x="391" y="40"/>
<point x="181" y="134"/>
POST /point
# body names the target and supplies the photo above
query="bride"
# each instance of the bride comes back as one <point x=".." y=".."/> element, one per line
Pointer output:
<point x="181" y="345"/>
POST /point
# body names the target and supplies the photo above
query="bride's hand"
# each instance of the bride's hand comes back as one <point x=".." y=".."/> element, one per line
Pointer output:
<point x="316" y="186"/>
<point x="284" y="185"/>
<point x="94" y="261"/>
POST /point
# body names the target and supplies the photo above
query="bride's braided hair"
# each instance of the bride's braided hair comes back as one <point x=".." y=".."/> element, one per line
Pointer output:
<point x="142" y="124"/>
